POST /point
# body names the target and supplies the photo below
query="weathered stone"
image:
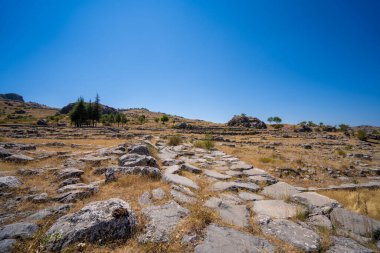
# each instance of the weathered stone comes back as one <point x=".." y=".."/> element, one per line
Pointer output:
<point x="110" y="175"/>
<point x="262" y="179"/>
<point x="351" y="222"/>
<point x="280" y="190"/>
<point x="80" y="186"/>
<point x="18" y="158"/>
<point x="40" y="198"/>
<point x="241" y="166"/>
<point x="316" y="203"/>
<point x="28" y="172"/>
<point x="49" y="212"/>
<point x="229" y="211"/>
<point x="69" y="173"/>
<point x="346" y="245"/>
<point x="293" y="233"/>
<point x="5" y="153"/>
<point x="9" y="183"/>
<point x="20" y="230"/>
<point x="224" y="239"/>
<point x="182" y="189"/>
<point x="101" y="220"/>
<point x="250" y="196"/>
<point x="165" y="154"/>
<point x="216" y="175"/>
<point x="274" y="209"/>
<point x="158" y="193"/>
<point x="234" y="186"/>
<point x="69" y="181"/>
<point x="6" y="245"/>
<point x="177" y="179"/>
<point x="191" y="168"/>
<point x="319" y="221"/>
<point x="139" y="149"/>
<point x="145" y="199"/>
<point x="132" y="160"/>
<point x="149" y="171"/>
<point x="181" y="197"/>
<point x="162" y="221"/>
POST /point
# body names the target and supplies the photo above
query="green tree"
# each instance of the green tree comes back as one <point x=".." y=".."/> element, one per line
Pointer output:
<point x="124" y="119"/>
<point x="343" y="127"/>
<point x="277" y="120"/>
<point x="118" y="118"/>
<point x="362" y="135"/>
<point x="141" y="119"/>
<point x="90" y="113"/>
<point x="96" y="112"/>
<point x="156" y="120"/>
<point x="270" y="120"/>
<point x="164" y="119"/>
<point x="78" y="115"/>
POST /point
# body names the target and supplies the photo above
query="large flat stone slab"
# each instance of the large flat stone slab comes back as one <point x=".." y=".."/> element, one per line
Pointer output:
<point x="216" y="175"/>
<point x="229" y="211"/>
<point x="9" y="182"/>
<point x="234" y="186"/>
<point x="346" y="245"/>
<point x="19" y="230"/>
<point x="177" y="179"/>
<point x="101" y="220"/>
<point x="280" y="190"/>
<point x="293" y="233"/>
<point x="227" y="240"/>
<point x="162" y="221"/>
<point x="315" y="202"/>
<point x="275" y="209"/>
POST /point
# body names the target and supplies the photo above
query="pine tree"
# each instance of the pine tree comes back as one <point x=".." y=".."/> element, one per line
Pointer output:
<point x="90" y="113"/>
<point x="118" y="118"/>
<point x="124" y="119"/>
<point x="78" y="114"/>
<point x="96" y="112"/>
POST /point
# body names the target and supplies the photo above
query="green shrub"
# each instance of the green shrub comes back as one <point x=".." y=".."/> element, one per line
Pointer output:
<point x="265" y="159"/>
<point x="175" y="140"/>
<point x="278" y="126"/>
<point x="207" y="143"/>
<point x="362" y="135"/>
<point x="341" y="152"/>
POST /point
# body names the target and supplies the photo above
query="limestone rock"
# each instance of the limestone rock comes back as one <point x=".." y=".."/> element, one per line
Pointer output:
<point x="191" y="168"/>
<point x="216" y="175"/>
<point x="162" y="221"/>
<point x="132" y="160"/>
<point x="101" y="220"/>
<point x="316" y="203"/>
<point x="177" y="179"/>
<point x="250" y="196"/>
<point x="69" y="173"/>
<point x="9" y="182"/>
<point x="19" y="230"/>
<point x="319" y="221"/>
<point x="280" y="190"/>
<point x="234" y="186"/>
<point x="18" y="158"/>
<point x="158" y="193"/>
<point x="49" y="212"/>
<point x="182" y="197"/>
<point x="224" y="239"/>
<point x="6" y="245"/>
<point x="346" y="245"/>
<point x="140" y="150"/>
<point x="274" y="209"/>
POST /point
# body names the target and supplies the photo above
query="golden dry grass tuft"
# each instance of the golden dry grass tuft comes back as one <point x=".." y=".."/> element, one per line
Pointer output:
<point x="363" y="201"/>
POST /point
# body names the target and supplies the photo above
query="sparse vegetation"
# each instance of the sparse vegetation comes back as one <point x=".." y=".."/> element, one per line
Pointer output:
<point x="341" y="152"/>
<point x="175" y="140"/>
<point x="362" y="135"/>
<point x="207" y="143"/>
<point x="164" y="119"/>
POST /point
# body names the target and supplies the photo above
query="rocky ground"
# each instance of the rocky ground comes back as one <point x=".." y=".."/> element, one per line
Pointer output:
<point x="127" y="190"/>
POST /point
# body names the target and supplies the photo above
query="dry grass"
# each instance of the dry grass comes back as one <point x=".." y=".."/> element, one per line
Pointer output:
<point x="363" y="201"/>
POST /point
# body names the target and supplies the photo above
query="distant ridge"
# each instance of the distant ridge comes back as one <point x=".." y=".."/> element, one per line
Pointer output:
<point x="12" y="96"/>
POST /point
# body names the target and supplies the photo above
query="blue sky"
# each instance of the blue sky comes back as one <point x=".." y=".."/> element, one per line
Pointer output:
<point x="300" y="60"/>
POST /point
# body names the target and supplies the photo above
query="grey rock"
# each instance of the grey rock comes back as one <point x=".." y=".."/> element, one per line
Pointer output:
<point x="229" y="211"/>
<point x="69" y="181"/>
<point x="158" y="193"/>
<point x="140" y="150"/>
<point x="291" y="232"/>
<point x="280" y="190"/>
<point x="250" y="196"/>
<point x="101" y="220"/>
<point x="94" y="160"/>
<point x="191" y="168"/>
<point x="5" y="153"/>
<point x="262" y="179"/>
<point x="49" y="212"/>
<point x="216" y="175"/>
<point x="241" y="166"/>
<point x="69" y="173"/>
<point x="181" y="197"/>
<point x="145" y="199"/>
<point x="275" y="209"/>
<point x="346" y="245"/>
<point x="149" y="171"/>
<point x="40" y="198"/>
<point x="177" y="179"/>
<point x="19" y="230"/>
<point x="319" y="221"/>
<point x="316" y="203"/>
<point x="81" y="186"/>
<point x="162" y="221"/>
<point x="224" y="239"/>
<point x="132" y="160"/>
<point x="165" y="154"/>
<point x="234" y="186"/>
<point x="28" y="172"/>
<point x="18" y="158"/>
<point x="110" y="175"/>
<point x="351" y="222"/>
<point x="182" y="189"/>
<point x="6" y="245"/>
<point x="189" y="239"/>
<point x="9" y="183"/>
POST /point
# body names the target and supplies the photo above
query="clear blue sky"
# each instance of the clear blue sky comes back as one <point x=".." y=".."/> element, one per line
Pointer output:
<point x="301" y="60"/>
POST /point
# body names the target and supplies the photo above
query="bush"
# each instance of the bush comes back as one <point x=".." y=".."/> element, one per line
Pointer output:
<point x="341" y="152"/>
<point x="362" y="135"/>
<point x="343" y="127"/>
<point x="207" y="143"/>
<point x="278" y="126"/>
<point x="175" y="140"/>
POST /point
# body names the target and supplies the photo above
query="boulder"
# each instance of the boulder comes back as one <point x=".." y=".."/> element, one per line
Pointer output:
<point x="41" y="122"/>
<point x="158" y="193"/>
<point x="224" y="239"/>
<point x="149" y="171"/>
<point x="162" y="220"/>
<point x="293" y="233"/>
<point x="319" y="221"/>
<point x="9" y="183"/>
<point x="98" y="221"/>
<point x="132" y="160"/>
<point x="316" y="203"/>
<point x="348" y="223"/>
<point x="280" y="190"/>
<point x="275" y="209"/>
<point x="69" y="181"/>
<point x="19" y="230"/>
<point x="140" y="150"/>
<point x="6" y="245"/>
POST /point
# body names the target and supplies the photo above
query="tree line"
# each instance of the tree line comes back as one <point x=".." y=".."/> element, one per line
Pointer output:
<point x="87" y="114"/>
